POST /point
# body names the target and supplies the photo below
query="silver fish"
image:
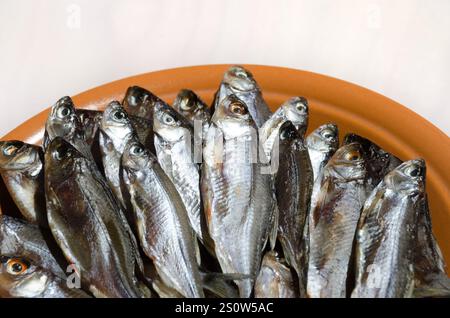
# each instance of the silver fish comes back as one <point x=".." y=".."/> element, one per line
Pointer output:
<point x="275" y="278"/>
<point x="294" y="110"/>
<point x="238" y="197"/>
<point x="64" y="122"/>
<point x="293" y="183"/>
<point x="162" y="223"/>
<point x="116" y="131"/>
<point x="88" y="224"/>
<point x="240" y="82"/>
<point x="387" y="233"/>
<point x="190" y="105"/>
<point x="174" y="149"/>
<point x="22" y="170"/>
<point x="322" y="143"/>
<point x="340" y="195"/>
<point x="22" y="278"/>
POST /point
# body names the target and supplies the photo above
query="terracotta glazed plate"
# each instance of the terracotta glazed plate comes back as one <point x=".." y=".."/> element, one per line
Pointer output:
<point x="353" y="108"/>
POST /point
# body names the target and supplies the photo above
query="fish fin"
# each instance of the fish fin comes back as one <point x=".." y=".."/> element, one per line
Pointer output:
<point x="274" y="229"/>
<point x="198" y="256"/>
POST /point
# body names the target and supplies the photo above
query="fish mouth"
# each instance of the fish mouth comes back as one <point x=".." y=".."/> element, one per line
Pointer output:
<point x="168" y="141"/>
<point x="331" y="126"/>
<point x="240" y="85"/>
<point x="237" y="78"/>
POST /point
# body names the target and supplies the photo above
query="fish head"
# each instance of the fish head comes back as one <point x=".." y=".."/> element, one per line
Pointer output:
<point x="136" y="160"/>
<point x="62" y="160"/>
<point x="19" y="277"/>
<point x="325" y="138"/>
<point x="239" y="79"/>
<point x="380" y="162"/>
<point x="296" y="110"/>
<point x="19" y="156"/>
<point x="170" y="125"/>
<point x="233" y="117"/>
<point x="63" y="120"/>
<point x="139" y="102"/>
<point x="408" y="178"/>
<point x="188" y="103"/>
<point x="116" y="124"/>
<point x="348" y="163"/>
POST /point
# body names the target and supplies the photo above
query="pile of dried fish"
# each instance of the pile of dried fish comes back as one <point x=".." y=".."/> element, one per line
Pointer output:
<point x="148" y="200"/>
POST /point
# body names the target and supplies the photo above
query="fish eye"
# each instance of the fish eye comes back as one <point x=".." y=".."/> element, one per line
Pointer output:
<point x="16" y="266"/>
<point x="238" y="109"/>
<point x="240" y="74"/>
<point x="352" y="155"/>
<point x="168" y="119"/>
<point x="413" y="171"/>
<point x="10" y="150"/>
<point x="186" y="105"/>
<point x="136" y="150"/>
<point x="119" y="115"/>
<point x="327" y="134"/>
<point x="384" y="157"/>
<point x="63" y="112"/>
<point x="300" y="107"/>
<point x="61" y="152"/>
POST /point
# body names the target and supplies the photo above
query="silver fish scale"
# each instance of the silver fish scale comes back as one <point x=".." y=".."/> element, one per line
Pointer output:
<point x="111" y="148"/>
<point x="331" y="238"/>
<point x="125" y="248"/>
<point x="176" y="161"/>
<point x="102" y="220"/>
<point x="236" y="183"/>
<point x="384" y="250"/>
<point x="165" y="237"/>
<point x="238" y="221"/>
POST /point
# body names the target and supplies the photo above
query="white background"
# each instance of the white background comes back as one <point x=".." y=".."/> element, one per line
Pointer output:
<point x="399" y="48"/>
